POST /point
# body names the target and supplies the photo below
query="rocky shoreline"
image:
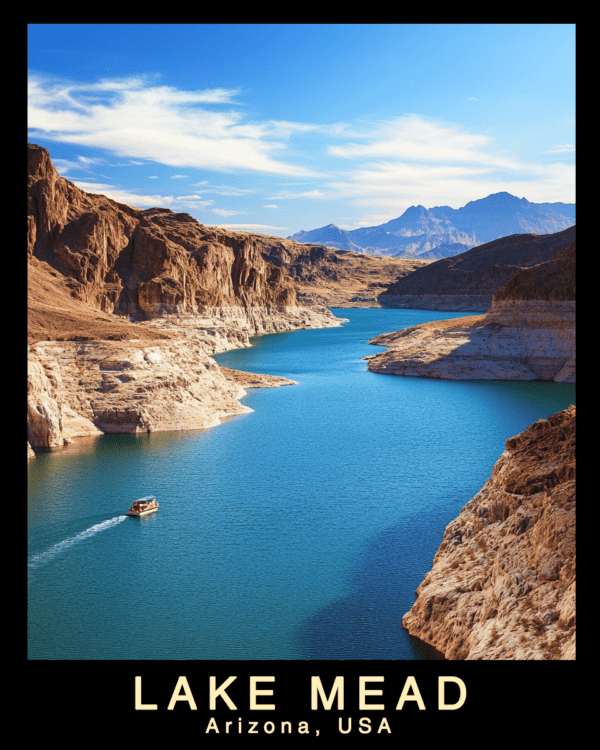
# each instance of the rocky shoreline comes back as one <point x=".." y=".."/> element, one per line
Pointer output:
<point x="85" y="388"/>
<point x="502" y="584"/>
<point x="125" y="307"/>
<point x="527" y="334"/>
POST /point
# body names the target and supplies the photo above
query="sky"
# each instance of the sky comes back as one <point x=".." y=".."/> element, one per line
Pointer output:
<point x="281" y="128"/>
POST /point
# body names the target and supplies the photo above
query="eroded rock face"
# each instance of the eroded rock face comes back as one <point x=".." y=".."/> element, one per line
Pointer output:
<point x="143" y="263"/>
<point x="125" y="307"/>
<point x="528" y="333"/>
<point x="502" y="584"/>
<point x="88" y="388"/>
<point x="45" y="426"/>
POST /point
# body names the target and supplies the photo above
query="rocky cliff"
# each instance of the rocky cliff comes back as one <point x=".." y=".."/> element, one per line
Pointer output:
<point x="78" y="389"/>
<point x="502" y="584"/>
<point x="145" y="263"/>
<point x="126" y="305"/>
<point x="468" y="281"/>
<point x="528" y="333"/>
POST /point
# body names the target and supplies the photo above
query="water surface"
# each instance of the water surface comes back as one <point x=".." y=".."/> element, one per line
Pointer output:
<point x="299" y="531"/>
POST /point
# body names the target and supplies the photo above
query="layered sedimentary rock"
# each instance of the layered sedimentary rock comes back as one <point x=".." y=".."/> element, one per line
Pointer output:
<point x="528" y="333"/>
<point x="78" y="389"/>
<point x="468" y="281"/>
<point x="126" y="305"/>
<point x="144" y="264"/>
<point x="254" y="379"/>
<point x="502" y="584"/>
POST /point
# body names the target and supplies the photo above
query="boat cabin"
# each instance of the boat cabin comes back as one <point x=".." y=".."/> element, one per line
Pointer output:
<point x="143" y="506"/>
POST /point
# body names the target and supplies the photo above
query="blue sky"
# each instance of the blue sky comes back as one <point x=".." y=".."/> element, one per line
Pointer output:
<point x="277" y="128"/>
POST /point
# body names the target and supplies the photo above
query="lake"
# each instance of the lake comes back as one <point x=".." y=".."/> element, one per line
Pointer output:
<point x="298" y="531"/>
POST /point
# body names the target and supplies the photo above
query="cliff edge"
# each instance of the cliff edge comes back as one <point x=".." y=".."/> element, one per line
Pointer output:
<point x="468" y="281"/>
<point x="125" y="306"/>
<point x="502" y="584"/>
<point x="527" y="334"/>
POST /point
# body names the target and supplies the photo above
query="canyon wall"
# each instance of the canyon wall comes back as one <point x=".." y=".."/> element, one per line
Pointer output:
<point x="527" y="334"/>
<point x="502" y="583"/>
<point x="125" y="306"/>
<point x="144" y="264"/>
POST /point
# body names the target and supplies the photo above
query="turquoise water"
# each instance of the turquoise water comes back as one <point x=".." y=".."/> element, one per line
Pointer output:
<point x="299" y="531"/>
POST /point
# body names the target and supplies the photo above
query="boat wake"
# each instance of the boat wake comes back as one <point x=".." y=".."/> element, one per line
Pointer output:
<point x="44" y="557"/>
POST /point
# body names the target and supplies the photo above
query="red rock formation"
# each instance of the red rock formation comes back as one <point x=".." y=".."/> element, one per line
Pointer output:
<point x="94" y="265"/>
<point x="143" y="263"/>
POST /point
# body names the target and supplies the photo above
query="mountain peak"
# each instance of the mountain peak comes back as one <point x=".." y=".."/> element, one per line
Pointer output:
<point x="422" y="230"/>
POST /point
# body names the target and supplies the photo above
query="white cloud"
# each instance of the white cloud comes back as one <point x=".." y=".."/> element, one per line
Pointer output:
<point x="223" y="189"/>
<point x="138" y="119"/>
<point x="416" y="139"/>
<point x="377" y="168"/>
<point x="144" y="201"/>
<point x="411" y="160"/>
<point x="179" y="177"/>
<point x="285" y="194"/>
<point x="387" y="189"/>
<point x="271" y="205"/>
<point x="566" y="148"/>
<point x="226" y="212"/>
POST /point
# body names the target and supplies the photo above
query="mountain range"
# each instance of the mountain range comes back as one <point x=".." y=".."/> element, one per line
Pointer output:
<point x="442" y="231"/>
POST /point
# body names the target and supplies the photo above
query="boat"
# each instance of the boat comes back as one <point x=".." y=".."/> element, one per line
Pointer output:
<point x="143" y="507"/>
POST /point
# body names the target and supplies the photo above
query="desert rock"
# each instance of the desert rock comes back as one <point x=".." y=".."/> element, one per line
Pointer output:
<point x="502" y="584"/>
<point x="528" y="333"/>
<point x="125" y="307"/>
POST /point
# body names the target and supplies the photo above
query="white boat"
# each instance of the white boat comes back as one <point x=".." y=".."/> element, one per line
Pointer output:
<point x="143" y="507"/>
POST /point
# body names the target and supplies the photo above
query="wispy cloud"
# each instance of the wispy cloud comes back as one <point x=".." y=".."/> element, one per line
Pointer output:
<point x="285" y="194"/>
<point x="377" y="168"/>
<point x="386" y="189"/>
<point x="566" y="148"/>
<point x="223" y="189"/>
<point x="138" y="200"/>
<point x="416" y="139"/>
<point x="226" y="212"/>
<point x="412" y="160"/>
<point x="139" y="119"/>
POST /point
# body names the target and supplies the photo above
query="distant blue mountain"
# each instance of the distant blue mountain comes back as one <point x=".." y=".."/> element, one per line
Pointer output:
<point x="440" y="232"/>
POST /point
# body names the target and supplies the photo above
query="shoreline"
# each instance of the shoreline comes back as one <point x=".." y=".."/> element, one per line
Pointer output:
<point x="90" y="388"/>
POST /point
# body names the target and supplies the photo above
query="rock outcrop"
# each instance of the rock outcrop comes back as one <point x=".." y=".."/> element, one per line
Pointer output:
<point x="125" y="307"/>
<point x="336" y="278"/>
<point x="467" y="282"/>
<point x="528" y="333"/>
<point x="144" y="264"/>
<point x="502" y="584"/>
<point x="78" y="389"/>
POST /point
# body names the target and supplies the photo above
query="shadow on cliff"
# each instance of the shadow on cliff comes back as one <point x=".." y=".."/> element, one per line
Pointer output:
<point x="367" y="622"/>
